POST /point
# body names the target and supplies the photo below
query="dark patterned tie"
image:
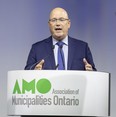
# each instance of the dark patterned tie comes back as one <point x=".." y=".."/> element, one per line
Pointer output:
<point x="61" y="63"/>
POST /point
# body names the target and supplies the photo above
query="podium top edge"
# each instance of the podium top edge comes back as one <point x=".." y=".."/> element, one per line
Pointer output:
<point x="60" y="70"/>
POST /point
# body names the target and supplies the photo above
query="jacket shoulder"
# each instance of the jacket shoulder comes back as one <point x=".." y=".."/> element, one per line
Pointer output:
<point x="42" y="42"/>
<point x="78" y="41"/>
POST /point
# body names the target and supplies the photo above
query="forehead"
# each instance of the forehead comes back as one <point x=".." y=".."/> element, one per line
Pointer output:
<point x="57" y="13"/>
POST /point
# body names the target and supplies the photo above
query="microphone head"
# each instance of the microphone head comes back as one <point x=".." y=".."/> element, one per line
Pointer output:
<point x="56" y="66"/>
<point x="53" y="46"/>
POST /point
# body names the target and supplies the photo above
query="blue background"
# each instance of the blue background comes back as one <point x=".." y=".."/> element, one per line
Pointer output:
<point x="24" y="22"/>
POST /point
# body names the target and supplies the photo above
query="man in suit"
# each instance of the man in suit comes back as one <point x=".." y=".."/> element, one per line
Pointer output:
<point x="76" y="53"/>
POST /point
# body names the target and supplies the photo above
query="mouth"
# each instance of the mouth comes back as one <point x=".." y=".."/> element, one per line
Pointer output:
<point x="58" y="29"/>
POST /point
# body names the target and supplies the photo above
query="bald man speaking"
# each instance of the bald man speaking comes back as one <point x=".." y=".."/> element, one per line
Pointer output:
<point x="60" y="51"/>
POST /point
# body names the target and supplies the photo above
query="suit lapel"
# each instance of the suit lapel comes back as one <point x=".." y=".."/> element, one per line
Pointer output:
<point x="71" y="50"/>
<point x="49" y="49"/>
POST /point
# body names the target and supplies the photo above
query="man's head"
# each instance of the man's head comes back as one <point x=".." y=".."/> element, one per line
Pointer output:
<point x="59" y="23"/>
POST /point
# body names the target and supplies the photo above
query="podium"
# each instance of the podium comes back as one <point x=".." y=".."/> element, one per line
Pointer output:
<point x="58" y="92"/>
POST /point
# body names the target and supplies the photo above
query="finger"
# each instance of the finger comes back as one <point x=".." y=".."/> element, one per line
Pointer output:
<point x="38" y="68"/>
<point x="85" y="61"/>
<point x="88" y="67"/>
<point x="39" y="65"/>
<point x="41" y="62"/>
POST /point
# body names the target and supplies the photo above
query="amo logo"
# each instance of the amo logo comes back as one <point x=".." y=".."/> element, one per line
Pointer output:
<point x="42" y="86"/>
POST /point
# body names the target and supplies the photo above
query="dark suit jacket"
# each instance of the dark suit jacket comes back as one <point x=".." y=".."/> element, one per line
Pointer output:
<point x="77" y="50"/>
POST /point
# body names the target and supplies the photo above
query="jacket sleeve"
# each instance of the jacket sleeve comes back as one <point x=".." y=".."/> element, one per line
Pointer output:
<point x="31" y="61"/>
<point x="89" y="57"/>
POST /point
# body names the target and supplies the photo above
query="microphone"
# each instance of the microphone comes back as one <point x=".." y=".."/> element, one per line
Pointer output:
<point x="56" y="66"/>
<point x="53" y="46"/>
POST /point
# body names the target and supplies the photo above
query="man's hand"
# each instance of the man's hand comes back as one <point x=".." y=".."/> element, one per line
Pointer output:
<point x="88" y="66"/>
<point x="39" y="65"/>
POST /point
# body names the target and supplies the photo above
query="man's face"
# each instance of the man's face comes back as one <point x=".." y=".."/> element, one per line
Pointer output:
<point x="59" y="24"/>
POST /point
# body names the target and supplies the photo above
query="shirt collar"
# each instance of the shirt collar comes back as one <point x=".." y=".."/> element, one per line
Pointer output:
<point x="65" y="40"/>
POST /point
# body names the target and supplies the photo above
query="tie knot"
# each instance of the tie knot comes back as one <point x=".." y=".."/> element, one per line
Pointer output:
<point x="60" y="44"/>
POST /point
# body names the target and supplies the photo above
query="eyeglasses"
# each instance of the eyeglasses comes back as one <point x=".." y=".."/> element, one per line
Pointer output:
<point x="54" y="20"/>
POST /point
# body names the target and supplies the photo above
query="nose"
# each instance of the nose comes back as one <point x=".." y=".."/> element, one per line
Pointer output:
<point x="58" y="23"/>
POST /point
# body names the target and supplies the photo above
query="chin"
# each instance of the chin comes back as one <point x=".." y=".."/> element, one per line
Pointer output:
<point x="59" y="37"/>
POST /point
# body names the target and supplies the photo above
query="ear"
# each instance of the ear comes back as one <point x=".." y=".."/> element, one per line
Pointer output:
<point x="48" y="23"/>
